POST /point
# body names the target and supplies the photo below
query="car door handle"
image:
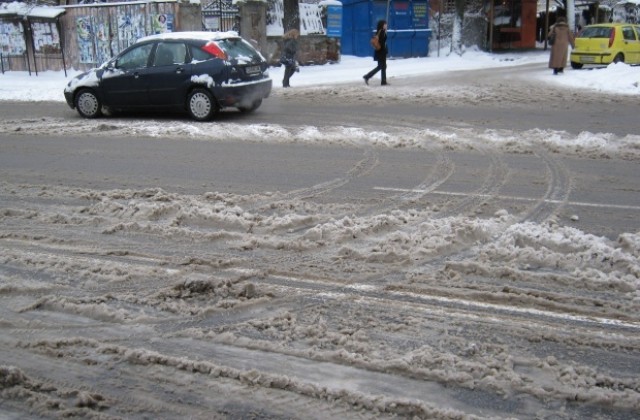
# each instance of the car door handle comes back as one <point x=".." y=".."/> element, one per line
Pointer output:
<point x="179" y="70"/>
<point x="136" y="75"/>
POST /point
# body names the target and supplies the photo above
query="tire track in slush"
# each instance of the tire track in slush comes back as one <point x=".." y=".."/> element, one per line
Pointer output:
<point x="558" y="190"/>
<point x="555" y="197"/>
<point x="360" y="168"/>
<point x="353" y="289"/>
<point x="556" y="194"/>
<point x="166" y="378"/>
<point x="154" y="387"/>
<point x="442" y="171"/>
<point x="497" y="174"/>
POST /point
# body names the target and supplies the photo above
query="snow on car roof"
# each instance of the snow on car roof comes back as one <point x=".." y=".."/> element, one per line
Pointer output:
<point x="203" y="35"/>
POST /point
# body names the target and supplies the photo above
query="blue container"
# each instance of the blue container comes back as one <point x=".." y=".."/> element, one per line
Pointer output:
<point x="408" y="32"/>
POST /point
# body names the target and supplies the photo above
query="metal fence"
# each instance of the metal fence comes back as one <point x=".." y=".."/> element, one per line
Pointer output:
<point x="221" y="15"/>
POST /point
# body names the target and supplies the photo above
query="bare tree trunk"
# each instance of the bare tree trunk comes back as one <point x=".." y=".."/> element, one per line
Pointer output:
<point x="456" y="36"/>
<point x="291" y="15"/>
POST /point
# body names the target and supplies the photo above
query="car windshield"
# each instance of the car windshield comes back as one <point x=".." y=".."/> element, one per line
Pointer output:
<point x="596" y="32"/>
<point x="239" y="49"/>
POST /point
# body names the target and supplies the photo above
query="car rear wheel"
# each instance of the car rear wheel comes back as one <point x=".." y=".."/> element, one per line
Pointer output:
<point x="619" y="58"/>
<point x="88" y="104"/>
<point x="576" y="66"/>
<point x="201" y="105"/>
<point x="254" y="105"/>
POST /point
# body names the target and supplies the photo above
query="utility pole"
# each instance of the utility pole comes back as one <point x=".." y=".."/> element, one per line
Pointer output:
<point x="571" y="14"/>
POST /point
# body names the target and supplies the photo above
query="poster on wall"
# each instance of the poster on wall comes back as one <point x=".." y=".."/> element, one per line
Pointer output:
<point x="162" y="23"/>
<point x="12" y="39"/>
<point x="46" y="37"/>
<point x="85" y="39"/>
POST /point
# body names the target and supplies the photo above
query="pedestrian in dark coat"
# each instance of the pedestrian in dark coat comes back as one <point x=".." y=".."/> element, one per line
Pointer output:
<point x="289" y="52"/>
<point x="564" y="38"/>
<point x="380" y="55"/>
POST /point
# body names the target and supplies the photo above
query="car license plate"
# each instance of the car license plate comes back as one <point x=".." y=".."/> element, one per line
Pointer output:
<point x="253" y="69"/>
<point x="586" y="59"/>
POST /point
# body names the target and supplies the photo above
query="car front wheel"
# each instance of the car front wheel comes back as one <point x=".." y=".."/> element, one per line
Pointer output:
<point x="201" y="105"/>
<point x="88" y="104"/>
<point x="576" y="66"/>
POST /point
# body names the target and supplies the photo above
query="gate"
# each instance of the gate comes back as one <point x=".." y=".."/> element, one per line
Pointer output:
<point x="221" y="15"/>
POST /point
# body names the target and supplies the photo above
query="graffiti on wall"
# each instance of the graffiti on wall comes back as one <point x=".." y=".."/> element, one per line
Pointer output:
<point x="94" y="46"/>
<point x="102" y="43"/>
<point x="97" y="41"/>
<point x="85" y="39"/>
<point x="12" y="38"/>
<point x="130" y="28"/>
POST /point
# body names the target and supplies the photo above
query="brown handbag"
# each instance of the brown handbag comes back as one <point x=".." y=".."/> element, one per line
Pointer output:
<point x="375" y="42"/>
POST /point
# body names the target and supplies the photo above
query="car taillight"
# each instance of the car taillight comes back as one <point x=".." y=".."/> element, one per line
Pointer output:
<point x="213" y="49"/>
<point x="612" y="37"/>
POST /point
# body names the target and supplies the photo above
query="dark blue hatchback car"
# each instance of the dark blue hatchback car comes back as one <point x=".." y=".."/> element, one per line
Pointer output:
<point x="197" y="72"/>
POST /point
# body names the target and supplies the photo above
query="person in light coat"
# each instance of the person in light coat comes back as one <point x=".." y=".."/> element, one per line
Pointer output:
<point x="559" y="49"/>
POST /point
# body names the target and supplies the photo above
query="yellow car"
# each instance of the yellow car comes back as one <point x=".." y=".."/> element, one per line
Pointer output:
<point x="607" y="43"/>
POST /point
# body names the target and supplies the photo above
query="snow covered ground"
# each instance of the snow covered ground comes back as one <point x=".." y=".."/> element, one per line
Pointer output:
<point x="616" y="78"/>
<point x="427" y="302"/>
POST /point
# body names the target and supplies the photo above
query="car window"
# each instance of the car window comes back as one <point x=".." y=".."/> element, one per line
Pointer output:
<point x="168" y="53"/>
<point x="239" y="49"/>
<point x="137" y="57"/>
<point x="628" y="33"/>
<point x="596" y="32"/>
<point x="198" y="54"/>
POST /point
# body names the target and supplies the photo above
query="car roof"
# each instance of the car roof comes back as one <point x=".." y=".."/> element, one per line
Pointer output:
<point x="191" y="35"/>
<point x="610" y="25"/>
